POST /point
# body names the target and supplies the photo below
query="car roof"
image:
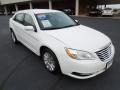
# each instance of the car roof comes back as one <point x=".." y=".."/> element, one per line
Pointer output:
<point x="37" y="11"/>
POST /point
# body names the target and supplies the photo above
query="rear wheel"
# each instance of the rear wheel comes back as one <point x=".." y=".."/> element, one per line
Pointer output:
<point x="14" y="37"/>
<point x="50" y="61"/>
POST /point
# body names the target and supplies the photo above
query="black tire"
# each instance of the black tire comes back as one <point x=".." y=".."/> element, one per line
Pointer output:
<point x="54" y="60"/>
<point x="14" y="37"/>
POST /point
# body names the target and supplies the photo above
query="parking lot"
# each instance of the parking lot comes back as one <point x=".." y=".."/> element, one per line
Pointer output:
<point x="20" y="69"/>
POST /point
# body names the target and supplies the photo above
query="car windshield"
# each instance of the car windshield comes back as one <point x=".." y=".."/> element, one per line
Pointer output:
<point x="54" y="20"/>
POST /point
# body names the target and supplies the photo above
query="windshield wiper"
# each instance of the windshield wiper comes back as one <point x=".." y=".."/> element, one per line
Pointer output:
<point x="50" y="28"/>
<point x="58" y="27"/>
<point x="68" y="26"/>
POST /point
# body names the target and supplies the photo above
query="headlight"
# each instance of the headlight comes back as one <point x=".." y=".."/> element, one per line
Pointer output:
<point x="79" y="55"/>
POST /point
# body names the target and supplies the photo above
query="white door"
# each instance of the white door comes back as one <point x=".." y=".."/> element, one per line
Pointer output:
<point x="31" y="36"/>
<point x="19" y="27"/>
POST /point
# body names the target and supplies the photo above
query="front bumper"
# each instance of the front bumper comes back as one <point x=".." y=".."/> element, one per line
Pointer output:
<point x="84" y="69"/>
<point x="92" y="74"/>
<point x="107" y="14"/>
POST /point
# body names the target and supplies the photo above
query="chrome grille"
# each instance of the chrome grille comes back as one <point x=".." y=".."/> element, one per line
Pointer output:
<point x="105" y="53"/>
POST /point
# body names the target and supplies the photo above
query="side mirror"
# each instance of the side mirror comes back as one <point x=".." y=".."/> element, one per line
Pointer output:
<point x="77" y="21"/>
<point x="29" y="28"/>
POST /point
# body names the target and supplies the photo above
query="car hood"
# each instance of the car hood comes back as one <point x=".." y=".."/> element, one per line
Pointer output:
<point x="81" y="38"/>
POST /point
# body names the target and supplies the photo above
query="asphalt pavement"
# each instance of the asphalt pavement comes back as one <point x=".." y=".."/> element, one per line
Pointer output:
<point x="20" y="69"/>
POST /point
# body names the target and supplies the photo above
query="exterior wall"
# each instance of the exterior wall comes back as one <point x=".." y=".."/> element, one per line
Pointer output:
<point x="108" y="1"/>
<point x="12" y="1"/>
<point x="56" y="4"/>
<point x="99" y="1"/>
<point x="67" y="4"/>
<point x="113" y="2"/>
<point x="41" y="5"/>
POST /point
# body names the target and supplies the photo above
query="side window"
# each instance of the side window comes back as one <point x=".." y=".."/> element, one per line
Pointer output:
<point x="19" y="18"/>
<point x="28" y="20"/>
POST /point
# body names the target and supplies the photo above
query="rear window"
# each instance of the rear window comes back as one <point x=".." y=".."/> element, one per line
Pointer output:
<point x="19" y="17"/>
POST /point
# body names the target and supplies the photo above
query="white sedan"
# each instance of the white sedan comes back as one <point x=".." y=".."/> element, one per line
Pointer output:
<point x="107" y="12"/>
<point x="64" y="45"/>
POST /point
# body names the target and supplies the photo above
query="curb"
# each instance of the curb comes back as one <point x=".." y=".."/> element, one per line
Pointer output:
<point x="83" y="16"/>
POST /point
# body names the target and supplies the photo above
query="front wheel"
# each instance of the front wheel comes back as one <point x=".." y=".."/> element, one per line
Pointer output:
<point x="50" y="61"/>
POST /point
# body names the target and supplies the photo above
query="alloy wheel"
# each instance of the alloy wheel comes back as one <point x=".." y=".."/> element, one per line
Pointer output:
<point x="49" y="61"/>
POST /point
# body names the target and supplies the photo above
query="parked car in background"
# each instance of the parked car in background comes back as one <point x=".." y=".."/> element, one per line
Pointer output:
<point x="95" y="12"/>
<point x="107" y="12"/>
<point x="13" y="12"/>
<point x="116" y="12"/>
<point x="8" y="13"/>
<point x="68" y="11"/>
<point x="64" y="45"/>
<point x="1" y="12"/>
